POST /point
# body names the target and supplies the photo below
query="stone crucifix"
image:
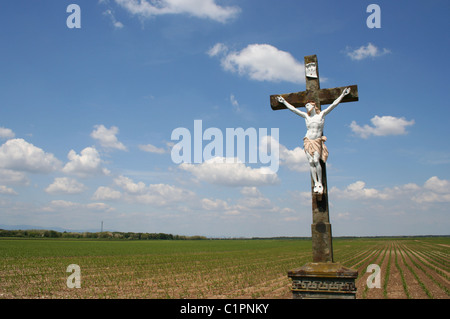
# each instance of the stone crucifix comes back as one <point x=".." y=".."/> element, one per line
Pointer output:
<point x="315" y="148"/>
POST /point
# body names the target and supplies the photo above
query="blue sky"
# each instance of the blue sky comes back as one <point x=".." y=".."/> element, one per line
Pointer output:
<point x="87" y="114"/>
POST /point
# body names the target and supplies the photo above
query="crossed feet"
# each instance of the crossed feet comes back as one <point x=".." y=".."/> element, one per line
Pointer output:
<point x="318" y="188"/>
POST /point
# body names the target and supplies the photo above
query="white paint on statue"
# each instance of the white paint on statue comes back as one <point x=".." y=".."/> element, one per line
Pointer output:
<point x="313" y="142"/>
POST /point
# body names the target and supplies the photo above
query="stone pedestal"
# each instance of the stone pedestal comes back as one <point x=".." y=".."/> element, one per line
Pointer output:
<point x="326" y="280"/>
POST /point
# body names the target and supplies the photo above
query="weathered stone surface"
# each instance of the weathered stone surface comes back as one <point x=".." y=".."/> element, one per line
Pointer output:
<point x="325" y="96"/>
<point x="322" y="245"/>
<point x="323" y="280"/>
<point x="331" y="270"/>
<point x="321" y="227"/>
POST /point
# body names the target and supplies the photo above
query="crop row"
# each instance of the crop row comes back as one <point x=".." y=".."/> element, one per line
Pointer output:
<point x="416" y="276"/>
<point x="170" y="275"/>
<point x="211" y="269"/>
<point x="420" y="269"/>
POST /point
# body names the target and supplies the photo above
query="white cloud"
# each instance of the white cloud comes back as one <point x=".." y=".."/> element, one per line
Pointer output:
<point x="110" y="14"/>
<point x="251" y="191"/>
<point x="433" y="191"/>
<point x="364" y="52"/>
<point x="60" y="204"/>
<point x="235" y="103"/>
<point x="294" y="160"/>
<point x="17" y="154"/>
<point x="261" y="62"/>
<point x="129" y="186"/>
<point x="430" y="197"/>
<point x="253" y="203"/>
<point x="344" y="216"/>
<point x="382" y="126"/>
<point x="107" y="137"/>
<point x="106" y="193"/>
<point x="7" y="191"/>
<point x="214" y="204"/>
<point x="437" y="185"/>
<point x="152" y="149"/>
<point x="230" y="172"/>
<point x="304" y="198"/>
<point x="218" y="48"/>
<point x="153" y="194"/>
<point x="8" y="177"/>
<point x="99" y="207"/>
<point x="358" y="190"/>
<point x="206" y="9"/>
<point x="65" y="185"/>
<point x="163" y="194"/>
<point x="63" y="205"/>
<point x="86" y="164"/>
<point x="6" y="133"/>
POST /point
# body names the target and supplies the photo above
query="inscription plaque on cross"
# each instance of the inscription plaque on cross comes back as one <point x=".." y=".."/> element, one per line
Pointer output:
<point x="313" y="98"/>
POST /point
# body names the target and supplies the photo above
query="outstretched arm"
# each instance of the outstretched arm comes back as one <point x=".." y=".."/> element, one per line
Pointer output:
<point x="336" y="102"/>
<point x="291" y="107"/>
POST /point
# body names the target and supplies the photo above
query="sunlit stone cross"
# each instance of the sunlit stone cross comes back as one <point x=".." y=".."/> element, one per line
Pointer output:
<point x="316" y="152"/>
<point x="321" y="278"/>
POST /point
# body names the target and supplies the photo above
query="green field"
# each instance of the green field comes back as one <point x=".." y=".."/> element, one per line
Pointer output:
<point x="36" y="268"/>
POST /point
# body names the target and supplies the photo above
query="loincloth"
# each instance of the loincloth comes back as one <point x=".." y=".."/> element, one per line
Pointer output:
<point x="317" y="145"/>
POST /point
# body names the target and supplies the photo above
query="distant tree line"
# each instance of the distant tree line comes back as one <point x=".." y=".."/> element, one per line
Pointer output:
<point x="42" y="233"/>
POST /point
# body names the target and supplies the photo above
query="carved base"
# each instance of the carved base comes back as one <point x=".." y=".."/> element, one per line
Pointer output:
<point x="323" y="281"/>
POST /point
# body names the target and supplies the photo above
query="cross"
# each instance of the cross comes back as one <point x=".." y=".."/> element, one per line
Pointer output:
<point x="321" y="227"/>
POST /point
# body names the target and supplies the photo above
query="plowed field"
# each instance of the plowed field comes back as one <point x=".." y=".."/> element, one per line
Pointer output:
<point x="416" y="268"/>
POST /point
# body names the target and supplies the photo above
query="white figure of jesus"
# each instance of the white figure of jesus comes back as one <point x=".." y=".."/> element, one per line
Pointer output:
<point x="313" y="142"/>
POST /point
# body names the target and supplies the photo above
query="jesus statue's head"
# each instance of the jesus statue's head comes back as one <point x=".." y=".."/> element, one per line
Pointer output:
<point x="312" y="107"/>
